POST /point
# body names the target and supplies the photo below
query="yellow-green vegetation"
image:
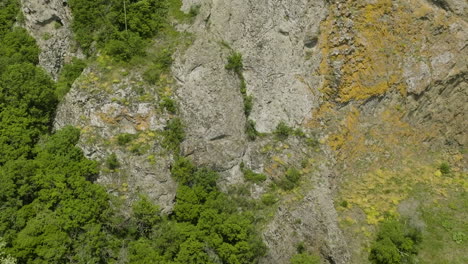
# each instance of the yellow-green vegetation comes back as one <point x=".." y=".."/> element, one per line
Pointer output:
<point x="370" y="40"/>
<point x="384" y="164"/>
<point x="379" y="192"/>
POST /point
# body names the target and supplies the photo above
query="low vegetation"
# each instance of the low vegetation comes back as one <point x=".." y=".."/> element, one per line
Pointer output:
<point x="69" y="73"/>
<point x="290" y="179"/>
<point x="252" y="176"/>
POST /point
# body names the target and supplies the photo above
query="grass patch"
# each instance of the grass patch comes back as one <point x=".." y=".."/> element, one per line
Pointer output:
<point x="252" y="176"/>
<point x="446" y="235"/>
<point x="125" y="138"/>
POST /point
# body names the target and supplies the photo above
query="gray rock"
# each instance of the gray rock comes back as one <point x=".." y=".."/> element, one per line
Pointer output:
<point x="211" y="106"/>
<point x="278" y="42"/>
<point x="49" y="21"/>
<point x="103" y="113"/>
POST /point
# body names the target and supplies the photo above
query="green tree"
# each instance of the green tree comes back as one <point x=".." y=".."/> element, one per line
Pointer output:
<point x="395" y="243"/>
<point x="146" y="215"/>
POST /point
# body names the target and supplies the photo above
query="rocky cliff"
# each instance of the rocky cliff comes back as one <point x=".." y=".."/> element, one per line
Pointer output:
<point x="48" y="21"/>
<point x="380" y="84"/>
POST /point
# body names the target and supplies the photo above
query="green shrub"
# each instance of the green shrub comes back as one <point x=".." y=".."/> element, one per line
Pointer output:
<point x="104" y="22"/>
<point x="146" y="215"/>
<point x="235" y="63"/>
<point x="300" y="247"/>
<point x="444" y="167"/>
<point x="8" y="11"/>
<point x="290" y="180"/>
<point x="269" y="199"/>
<point x="299" y="133"/>
<point x="250" y="130"/>
<point x="395" y="243"/>
<point x="161" y="64"/>
<point x="153" y="74"/>
<point x="68" y="75"/>
<point x="194" y="10"/>
<point x="344" y="204"/>
<point x="243" y="87"/>
<point x="250" y="175"/>
<point x="283" y="131"/>
<point x="139" y="148"/>
<point x="125" y="46"/>
<point x="173" y="134"/>
<point x="248" y="105"/>
<point x="168" y="104"/>
<point x="312" y="142"/>
<point x="125" y="138"/>
<point x="112" y="162"/>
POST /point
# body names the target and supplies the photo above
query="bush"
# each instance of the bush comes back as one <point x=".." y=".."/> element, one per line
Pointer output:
<point x="269" y="199"/>
<point x="249" y="175"/>
<point x="445" y="168"/>
<point x="235" y="63"/>
<point x="125" y="138"/>
<point x="8" y="11"/>
<point x="283" y="131"/>
<point x="112" y="162"/>
<point x="68" y="75"/>
<point x="161" y="64"/>
<point x="194" y="10"/>
<point x="173" y="134"/>
<point x="290" y="180"/>
<point x="104" y="22"/>
<point x="153" y="74"/>
<point x="168" y="104"/>
<point x="395" y="243"/>
<point x="124" y="46"/>
<point x="146" y="214"/>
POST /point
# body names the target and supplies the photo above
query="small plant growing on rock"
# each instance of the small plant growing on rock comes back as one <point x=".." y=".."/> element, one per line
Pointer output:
<point x="168" y="104"/>
<point x="125" y="138"/>
<point x="252" y="176"/>
<point x="283" y="131"/>
<point x="269" y="199"/>
<point x="173" y="134"/>
<point x="194" y="10"/>
<point x="112" y="162"/>
<point x="235" y="63"/>
<point x="250" y="130"/>
<point x="290" y="180"/>
<point x="248" y="105"/>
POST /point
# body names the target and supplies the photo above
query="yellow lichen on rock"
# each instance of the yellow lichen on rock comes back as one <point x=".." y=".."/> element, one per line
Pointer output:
<point x="364" y="49"/>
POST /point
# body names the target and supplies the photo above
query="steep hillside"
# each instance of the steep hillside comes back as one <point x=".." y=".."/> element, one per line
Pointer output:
<point x="320" y="122"/>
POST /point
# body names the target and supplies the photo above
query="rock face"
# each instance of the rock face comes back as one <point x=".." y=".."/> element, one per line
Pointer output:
<point x="48" y="21"/>
<point x="211" y="106"/>
<point x="278" y="42"/>
<point x="119" y="116"/>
